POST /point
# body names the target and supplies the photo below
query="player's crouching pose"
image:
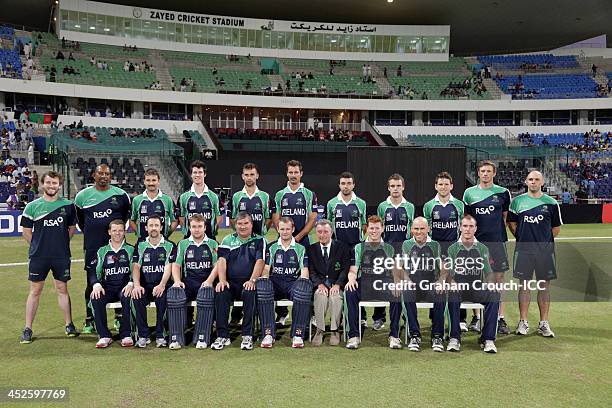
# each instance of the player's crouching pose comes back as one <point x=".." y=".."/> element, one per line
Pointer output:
<point x="285" y="276"/>
<point x="195" y="259"/>
<point x="152" y="267"/>
<point x="112" y="283"/>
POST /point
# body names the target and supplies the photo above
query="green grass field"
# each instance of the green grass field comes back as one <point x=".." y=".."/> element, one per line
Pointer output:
<point x="574" y="369"/>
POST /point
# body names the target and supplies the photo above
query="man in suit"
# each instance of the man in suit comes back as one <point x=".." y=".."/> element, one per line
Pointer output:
<point x="328" y="264"/>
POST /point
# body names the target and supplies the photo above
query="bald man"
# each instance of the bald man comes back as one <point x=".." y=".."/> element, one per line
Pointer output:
<point x="96" y="206"/>
<point x="426" y="251"/>
<point x="535" y="220"/>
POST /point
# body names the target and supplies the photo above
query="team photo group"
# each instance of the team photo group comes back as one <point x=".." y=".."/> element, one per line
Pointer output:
<point x="203" y="285"/>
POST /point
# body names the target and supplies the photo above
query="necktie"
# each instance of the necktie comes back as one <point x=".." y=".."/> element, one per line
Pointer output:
<point x="325" y="254"/>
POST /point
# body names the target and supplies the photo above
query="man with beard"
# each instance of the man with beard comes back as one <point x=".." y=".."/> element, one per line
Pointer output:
<point x="48" y="225"/>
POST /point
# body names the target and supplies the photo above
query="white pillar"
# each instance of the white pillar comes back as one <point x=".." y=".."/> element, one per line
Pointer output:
<point x="310" y="119"/>
<point x="525" y="118"/>
<point x="471" y="119"/>
<point x="417" y="118"/>
<point x="583" y="116"/>
<point x="364" y="118"/>
<point x="137" y="110"/>
<point x="255" y="118"/>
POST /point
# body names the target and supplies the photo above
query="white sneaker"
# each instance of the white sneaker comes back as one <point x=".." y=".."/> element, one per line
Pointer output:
<point x="453" y="345"/>
<point x="161" y="342"/>
<point x="353" y="343"/>
<point x="298" y="342"/>
<point x="395" y="343"/>
<point x="544" y="329"/>
<point x="142" y="342"/>
<point x="282" y="320"/>
<point x="364" y="323"/>
<point x="463" y="326"/>
<point x="175" y="345"/>
<point x="104" y="342"/>
<point x="267" y="341"/>
<point x="220" y="342"/>
<point x="201" y="345"/>
<point x="437" y="344"/>
<point x="127" y="342"/>
<point x="523" y="328"/>
<point x="247" y="343"/>
<point x="489" y="347"/>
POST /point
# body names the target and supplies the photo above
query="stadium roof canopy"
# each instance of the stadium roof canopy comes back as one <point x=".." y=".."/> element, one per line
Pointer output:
<point x="477" y="26"/>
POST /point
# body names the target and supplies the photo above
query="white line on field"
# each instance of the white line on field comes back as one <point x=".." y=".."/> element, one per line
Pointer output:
<point x="26" y="263"/>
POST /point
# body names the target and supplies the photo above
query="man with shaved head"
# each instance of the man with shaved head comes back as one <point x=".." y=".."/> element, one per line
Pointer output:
<point x="424" y="252"/>
<point x="96" y="206"/>
<point x="535" y="220"/>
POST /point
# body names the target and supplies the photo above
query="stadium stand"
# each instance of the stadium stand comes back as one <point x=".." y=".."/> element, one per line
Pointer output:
<point x="290" y="140"/>
<point x="554" y="86"/>
<point x="593" y="178"/>
<point x="475" y="141"/>
<point x="127" y="174"/>
<point x="529" y="61"/>
<point x="205" y="81"/>
<point x="593" y="145"/>
<point x="10" y="64"/>
<point x="82" y="71"/>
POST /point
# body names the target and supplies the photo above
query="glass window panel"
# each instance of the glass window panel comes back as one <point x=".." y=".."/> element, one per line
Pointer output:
<point x="119" y="27"/>
<point x="148" y="29"/>
<point x="127" y="27"/>
<point x="161" y="30"/>
<point x="82" y="26"/>
<point x="267" y="39"/>
<point x="100" y="24"/>
<point x="378" y="43"/>
<point x="64" y="20"/>
<point x="328" y="42"/>
<point x="109" y="27"/>
<point x="289" y="45"/>
<point x="227" y="36"/>
<point x="91" y="23"/>
<point x="312" y="38"/>
<point x="136" y="28"/>
<point x="73" y="18"/>
<point x="250" y="38"/>
<point x="319" y="42"/>
<point x="301" y="41"/>
<point x="348" y="43"/>
<point x="171" y="31"/>
<point x="187" y="29"/>
<point x="243" y="37"/>
<point x="211" y="35"/>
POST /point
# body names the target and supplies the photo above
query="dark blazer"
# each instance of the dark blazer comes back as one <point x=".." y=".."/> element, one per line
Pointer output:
<point x="336" y="270"/>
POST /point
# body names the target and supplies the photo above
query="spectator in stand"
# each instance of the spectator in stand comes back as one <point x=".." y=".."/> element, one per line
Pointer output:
<point x="566" y="197"/>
